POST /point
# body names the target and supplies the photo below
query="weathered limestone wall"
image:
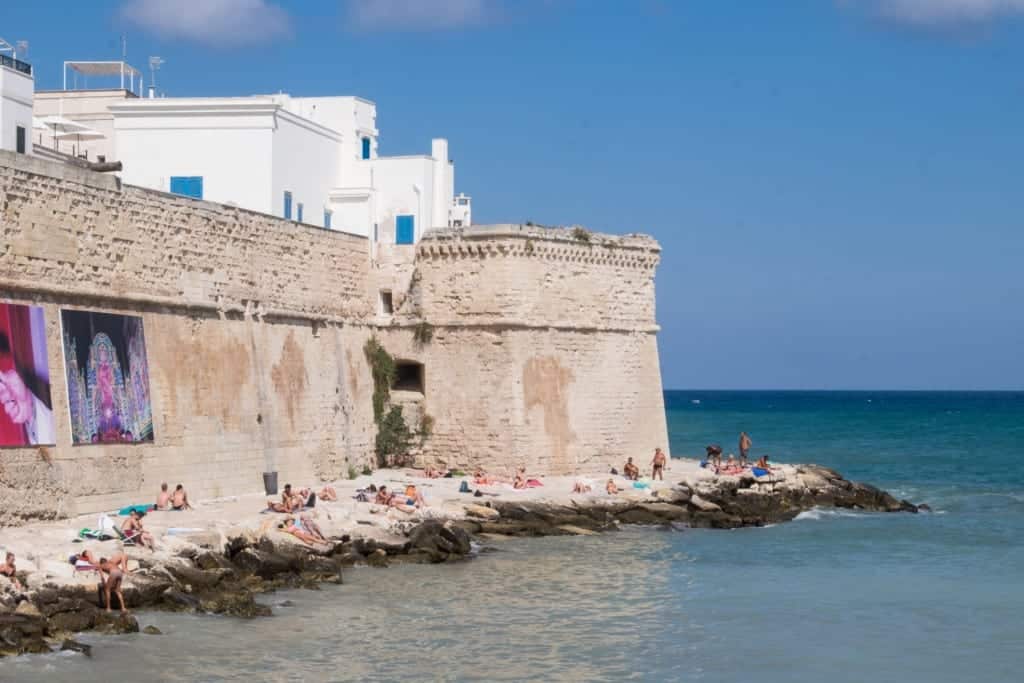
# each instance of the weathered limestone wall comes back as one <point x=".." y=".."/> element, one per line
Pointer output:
<point x="253" y="334"/>
<point x="543" y="350"/>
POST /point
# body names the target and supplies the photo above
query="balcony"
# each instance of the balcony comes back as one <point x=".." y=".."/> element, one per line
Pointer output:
<point x="16" y="64"/>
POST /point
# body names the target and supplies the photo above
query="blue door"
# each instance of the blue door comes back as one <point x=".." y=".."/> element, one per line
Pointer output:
<point x="405" y="230"/>
<point x="298" y="216"/>
<point x="190" y="186"/>
<point x="366" y="148"/>
<point x="288" y="205"/>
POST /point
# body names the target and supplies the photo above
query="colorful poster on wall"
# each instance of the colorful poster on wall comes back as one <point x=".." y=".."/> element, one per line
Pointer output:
<point x="108" y="378"/>
<point x="27" y="415"/>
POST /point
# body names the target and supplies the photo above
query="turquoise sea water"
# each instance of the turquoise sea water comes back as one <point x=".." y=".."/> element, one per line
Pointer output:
<point x="837" y="596"/>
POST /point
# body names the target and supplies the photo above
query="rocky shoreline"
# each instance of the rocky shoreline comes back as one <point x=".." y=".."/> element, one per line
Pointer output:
<point x="223" y="573"/>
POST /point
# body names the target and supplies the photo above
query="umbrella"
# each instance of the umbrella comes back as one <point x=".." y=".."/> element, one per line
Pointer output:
<point x="37" y="124"/>
<point x="79" y="135"/>
<point x="59" y="124"/>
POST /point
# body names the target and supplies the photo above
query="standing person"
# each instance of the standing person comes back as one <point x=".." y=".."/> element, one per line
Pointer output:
<point x="115" y="568"/>
<point x="658" y="465"/>
<point x="745" y="444"/>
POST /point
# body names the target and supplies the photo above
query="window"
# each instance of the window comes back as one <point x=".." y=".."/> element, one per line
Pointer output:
<point x="288" y="205"/>
<point x="374" y="232"/>
<point x="20" y="135"/>
<point x="408" y="376"/>
<point x="298" y="214"/>
<point x="387" y="306"/>
<point x="327" y="218"/>
<point x="366" y="148"/>
<point x="463" y="201"/>
<point x="189" y="186"/>
<point x="405" y="230"/>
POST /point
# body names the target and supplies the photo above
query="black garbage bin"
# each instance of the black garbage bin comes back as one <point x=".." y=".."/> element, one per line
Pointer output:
<point x="270" y="482"/>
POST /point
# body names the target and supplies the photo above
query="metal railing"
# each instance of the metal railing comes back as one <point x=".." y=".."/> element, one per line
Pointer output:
<point x="16" y="64"/>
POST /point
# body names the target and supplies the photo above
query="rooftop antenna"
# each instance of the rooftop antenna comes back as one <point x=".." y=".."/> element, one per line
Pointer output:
<point x="154" y="66"/>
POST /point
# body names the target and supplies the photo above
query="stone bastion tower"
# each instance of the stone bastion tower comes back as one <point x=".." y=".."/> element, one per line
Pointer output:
<point x="158" y="338"/>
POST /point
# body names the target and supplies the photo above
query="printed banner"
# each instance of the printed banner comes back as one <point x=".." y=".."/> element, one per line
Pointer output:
<point x="27" y="415"/>
<point x="108" y="378"/>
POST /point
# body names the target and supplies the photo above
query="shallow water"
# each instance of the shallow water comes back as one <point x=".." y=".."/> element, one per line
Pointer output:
<point x="834" y="595"/>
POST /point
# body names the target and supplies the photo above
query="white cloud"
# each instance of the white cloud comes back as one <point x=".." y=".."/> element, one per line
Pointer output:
<point x="941" y="13"/>
<point x="211" y="22"/>
<point x="420" y="15"/>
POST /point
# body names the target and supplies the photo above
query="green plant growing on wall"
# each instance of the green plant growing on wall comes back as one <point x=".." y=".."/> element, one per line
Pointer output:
<point x="382" y="367"/>
<point x="393" y="436"/>
<point x="423" y="333"/>
<point x="581" y="234"/>
<point x="352" y="472"/>
<point x="367" y="471"/>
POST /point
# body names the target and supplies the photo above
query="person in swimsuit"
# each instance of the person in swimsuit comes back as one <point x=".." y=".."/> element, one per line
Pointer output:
<point x="611" y="488"/>
<point x="296" y="529"/>
<point x="180" y="499"/>
<point x="763" y="463"/>
<point x="115" y="568"/>
<point x="328" y="493"/>
<point x="745" y="444"/>
<point x="10" y="571"/>
<point x="383" y="497"/>
<point x="630" y="470"/>
<point x="414" y="497"/>
<point x="163" y="499"/>
<point x="132" y="528"/>
<point x="658" y="465"/>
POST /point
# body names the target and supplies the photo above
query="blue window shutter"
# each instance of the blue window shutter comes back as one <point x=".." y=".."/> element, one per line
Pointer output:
<point x="327" y="218"/>
<point x="288" y="205"/>
<point x="298" y="214"/>
<point x="189" y="186"/>
<point x="405" y="230"/>
<point x="366" y="148"/>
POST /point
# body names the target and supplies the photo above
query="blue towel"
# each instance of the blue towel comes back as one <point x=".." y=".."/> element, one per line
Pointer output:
<point x="758" y="472"/>
<point x="141" y="509"/>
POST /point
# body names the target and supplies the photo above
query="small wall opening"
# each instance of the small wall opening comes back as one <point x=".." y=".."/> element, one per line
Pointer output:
<point x="408" y="376"/>
<point x="387" y="305"/>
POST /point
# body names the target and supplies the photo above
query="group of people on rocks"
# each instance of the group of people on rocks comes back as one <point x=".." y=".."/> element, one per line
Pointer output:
<point x="519" y="480"/>
<point x="713" y="458"/>
<point x="631" y="470"/>
<point x="294" y="500"/>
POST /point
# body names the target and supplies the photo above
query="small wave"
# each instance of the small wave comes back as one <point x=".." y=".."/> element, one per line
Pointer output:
<point x="823" y="513"/>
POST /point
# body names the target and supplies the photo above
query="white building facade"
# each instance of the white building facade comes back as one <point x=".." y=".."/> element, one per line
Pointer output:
<point x="313" y="160"/>
<point x="16" y="89"/>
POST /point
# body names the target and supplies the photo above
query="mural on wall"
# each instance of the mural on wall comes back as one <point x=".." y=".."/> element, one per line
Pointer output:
<point x="108" y="378"/>
<point x="26" y="418"/>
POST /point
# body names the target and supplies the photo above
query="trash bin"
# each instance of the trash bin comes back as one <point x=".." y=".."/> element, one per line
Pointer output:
<point x="270" y="482"/>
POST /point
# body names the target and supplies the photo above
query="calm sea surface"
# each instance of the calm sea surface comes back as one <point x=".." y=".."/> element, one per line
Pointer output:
<point x="832" y="596"/>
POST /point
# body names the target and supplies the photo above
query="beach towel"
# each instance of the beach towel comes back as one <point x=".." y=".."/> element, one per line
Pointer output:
<point x="311" y="502"/>
<point x="533" y="483"/>
<point x="758" y="472"/>
<point x="641" y="485"/>
<point x="141" y="509"/>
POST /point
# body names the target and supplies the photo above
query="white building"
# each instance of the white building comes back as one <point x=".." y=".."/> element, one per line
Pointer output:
<point x="16" y="87"/>
<point x="313" y="160"/>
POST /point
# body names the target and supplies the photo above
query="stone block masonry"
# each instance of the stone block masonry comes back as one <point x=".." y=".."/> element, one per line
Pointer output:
<point x="543" y="349"/>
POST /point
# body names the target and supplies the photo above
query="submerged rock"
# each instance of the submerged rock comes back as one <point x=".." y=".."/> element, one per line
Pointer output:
<point x="75" y="646"/>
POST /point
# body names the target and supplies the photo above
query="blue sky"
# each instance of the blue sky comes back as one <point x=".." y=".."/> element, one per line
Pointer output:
<point x="838" y="185"/>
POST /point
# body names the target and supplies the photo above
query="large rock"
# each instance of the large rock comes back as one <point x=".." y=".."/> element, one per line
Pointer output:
<point x="116" y="622"/>
<point x="439" y="542"/>
<point x="481" y="512"/>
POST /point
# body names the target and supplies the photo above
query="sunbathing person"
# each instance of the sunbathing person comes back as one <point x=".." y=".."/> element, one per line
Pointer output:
<point x="414" y="497"/>
<point x="10" y="571"/>
<point x="310" y="526"/>
<point x="328" y="493"/>
<point x="180" y="499"/>
<point x="611" y="488"/>
<point x="132" y="529"/>
<point x="581" y="487"/>
<point x="519" y="482"/>
<point x="163" y="499"/>
<point x="291" y="501"/>
<point x="433" y="473"/>
<point x="274" y="506"/>
<point x="382" y="497"/>
<point x="481" y="478"/>
<point x="294" y="527"/>
<point x="763" y="463"/>
<point x="630" y="470"/>
<point x="714" y="455"/>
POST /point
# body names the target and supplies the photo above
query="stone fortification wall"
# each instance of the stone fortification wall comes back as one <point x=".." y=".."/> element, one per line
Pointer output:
<point x="543" y="349"/>
<point x="253" y="326"/>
